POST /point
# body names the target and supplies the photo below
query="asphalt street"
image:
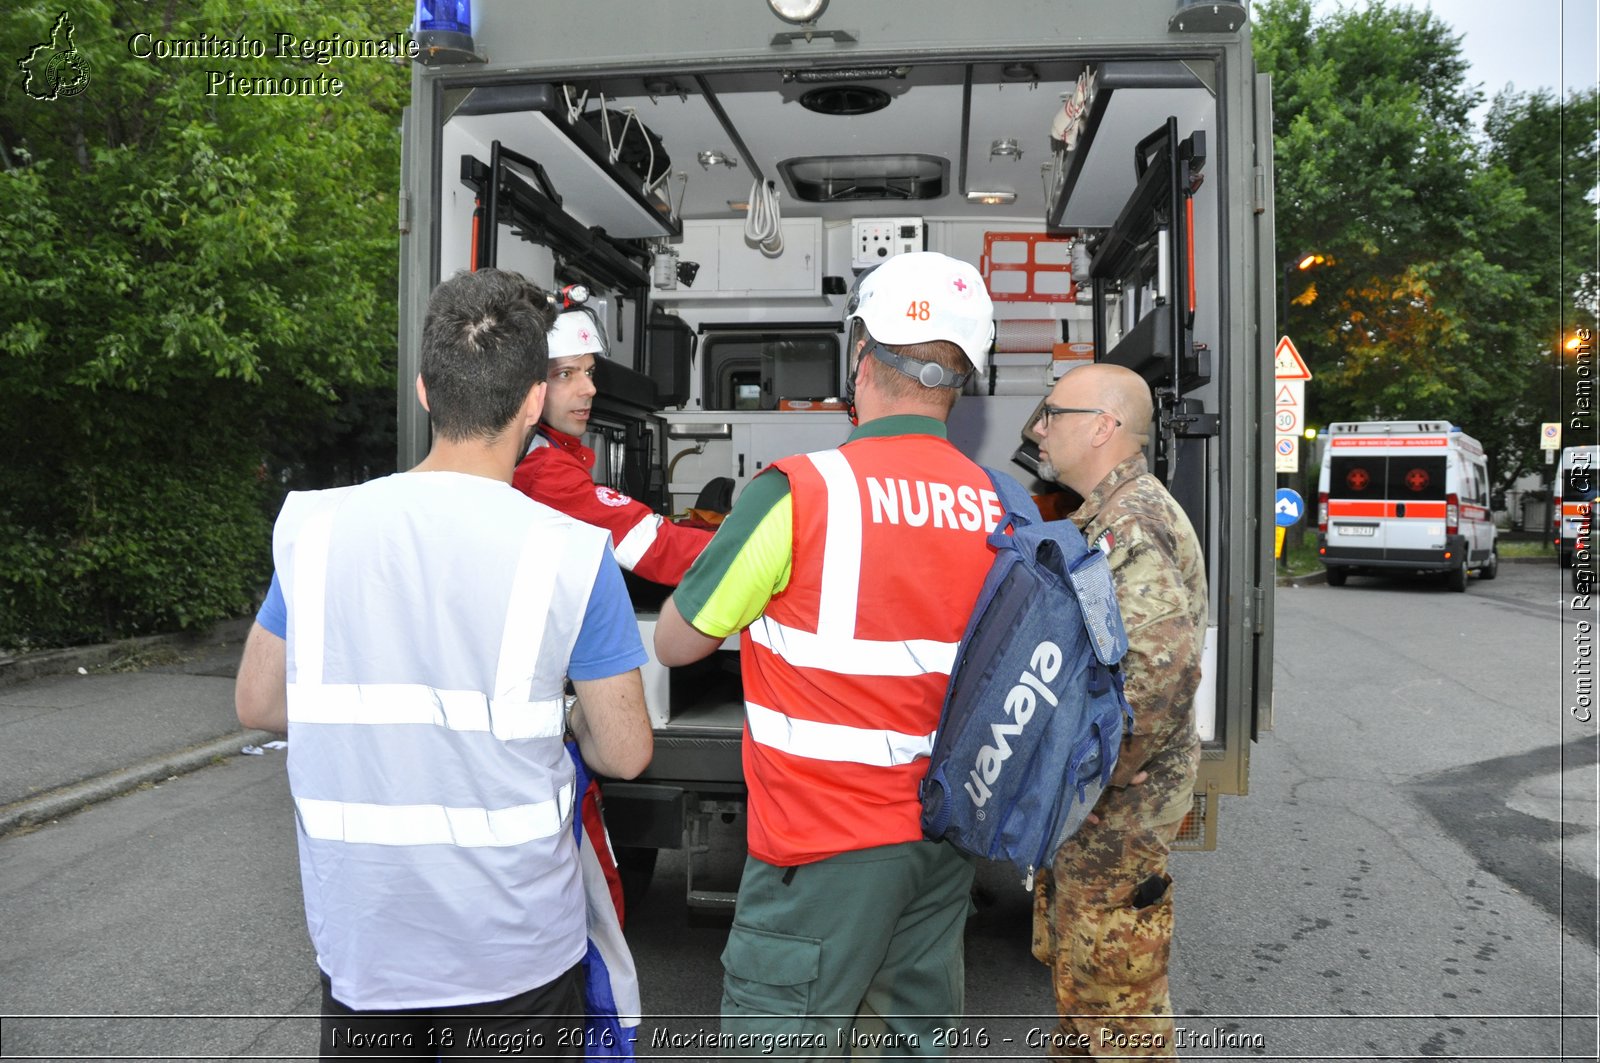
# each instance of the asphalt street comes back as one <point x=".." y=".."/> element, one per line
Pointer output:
<point x="1412" y="876"/>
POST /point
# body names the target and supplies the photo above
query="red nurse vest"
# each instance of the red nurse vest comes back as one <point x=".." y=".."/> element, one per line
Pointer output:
<point x="846" y="669"/>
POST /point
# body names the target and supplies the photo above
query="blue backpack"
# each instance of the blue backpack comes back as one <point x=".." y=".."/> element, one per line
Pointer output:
<point x="1034" y="716"/>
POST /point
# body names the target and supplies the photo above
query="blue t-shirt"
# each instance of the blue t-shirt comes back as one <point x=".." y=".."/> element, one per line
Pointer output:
<point x="608" y="641"/>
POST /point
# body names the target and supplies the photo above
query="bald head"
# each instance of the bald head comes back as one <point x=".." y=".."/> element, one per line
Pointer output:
<point x="1110" y="423"/>
<point x="1123" y="392"/>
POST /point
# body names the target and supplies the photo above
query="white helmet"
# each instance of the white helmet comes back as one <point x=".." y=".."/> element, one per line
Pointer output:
<point x="575" y="333"/>
<point x="922" y="296"/>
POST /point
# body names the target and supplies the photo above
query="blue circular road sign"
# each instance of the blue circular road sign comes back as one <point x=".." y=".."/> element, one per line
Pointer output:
<point x="1288" y="507"/>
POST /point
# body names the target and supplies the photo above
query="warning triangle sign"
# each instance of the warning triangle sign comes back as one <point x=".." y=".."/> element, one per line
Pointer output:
<point x="1287" y="363"/>
<point x="1286" y="397"/>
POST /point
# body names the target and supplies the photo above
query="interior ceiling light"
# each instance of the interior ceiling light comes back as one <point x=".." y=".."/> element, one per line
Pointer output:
<point x="845" y="100"/>
<point x="711" y="157"/>
<point x="798" y="11"/>
<point x="662" y="86"/>
<point x="992" y="199"/>
<point x="1019" y="72"/>
<point x="740" y="205"/>
<point x="851" y="73"/>
<point x="1006" y="148"/>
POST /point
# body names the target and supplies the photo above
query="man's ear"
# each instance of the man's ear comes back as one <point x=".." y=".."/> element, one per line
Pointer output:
<point x="533" y="406"/>
<point x="1104" y="431"/>
<point x="422" y="393"/>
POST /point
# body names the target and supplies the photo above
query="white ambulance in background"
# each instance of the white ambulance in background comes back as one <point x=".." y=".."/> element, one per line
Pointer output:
<point x="1405" y="496"/>
<point x="1574" y="498"/>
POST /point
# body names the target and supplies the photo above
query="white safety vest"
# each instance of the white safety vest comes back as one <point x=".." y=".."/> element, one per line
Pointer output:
<point x="431" y="618"/>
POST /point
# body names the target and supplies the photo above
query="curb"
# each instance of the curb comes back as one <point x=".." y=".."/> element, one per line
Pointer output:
<point x="65" y="800"/>
<point x="28" y="666"/>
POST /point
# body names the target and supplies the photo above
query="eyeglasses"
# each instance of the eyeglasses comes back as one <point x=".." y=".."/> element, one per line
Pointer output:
<point x="1047" y="412"/>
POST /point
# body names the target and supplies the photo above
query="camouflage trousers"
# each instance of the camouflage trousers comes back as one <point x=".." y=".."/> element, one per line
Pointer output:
<point x="1102" y="921"/>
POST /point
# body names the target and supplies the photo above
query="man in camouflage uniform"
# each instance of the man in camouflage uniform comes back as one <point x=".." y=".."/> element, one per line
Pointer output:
<point x="1103" y="915"/>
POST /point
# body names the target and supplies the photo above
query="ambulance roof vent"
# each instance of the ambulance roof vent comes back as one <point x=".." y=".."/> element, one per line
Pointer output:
<point x="843" y="178"/>
<point x="847" y="100"/>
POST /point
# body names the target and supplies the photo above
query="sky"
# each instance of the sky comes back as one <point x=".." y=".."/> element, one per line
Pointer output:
<point x="1529" y="43"/>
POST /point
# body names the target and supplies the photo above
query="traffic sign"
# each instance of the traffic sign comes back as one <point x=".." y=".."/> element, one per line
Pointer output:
<point x="1287" y="452"/>
<point x="1288" y="507"/>
<point x="1287" y="363"/>
<point x="1291" y="374"/>
<point x="1550" y="435"/>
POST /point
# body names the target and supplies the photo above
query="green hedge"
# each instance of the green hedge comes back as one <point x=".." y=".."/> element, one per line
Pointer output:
<point x="138" y="550"/>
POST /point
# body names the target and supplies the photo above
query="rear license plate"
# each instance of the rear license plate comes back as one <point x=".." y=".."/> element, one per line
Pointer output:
<point x="1358" y="529"/>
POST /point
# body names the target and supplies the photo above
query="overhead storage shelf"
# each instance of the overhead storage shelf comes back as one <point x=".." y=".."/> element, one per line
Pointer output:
<point x="1090" y="184"/>
<point x="532" y="120"/>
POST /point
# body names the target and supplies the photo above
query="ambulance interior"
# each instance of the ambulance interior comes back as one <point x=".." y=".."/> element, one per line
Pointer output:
<point x="1079" y="186"/>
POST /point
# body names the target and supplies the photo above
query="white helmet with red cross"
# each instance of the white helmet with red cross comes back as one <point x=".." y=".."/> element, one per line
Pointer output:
<point x="576" y="333"/>
<point x="924" y="295"/>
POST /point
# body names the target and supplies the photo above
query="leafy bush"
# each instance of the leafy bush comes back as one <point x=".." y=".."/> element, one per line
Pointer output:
<point x="197" y="308"/>
<point x="152" y="548"/>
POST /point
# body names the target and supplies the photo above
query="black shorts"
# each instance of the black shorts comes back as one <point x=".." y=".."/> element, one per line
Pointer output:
<point x="546" y="1021"/>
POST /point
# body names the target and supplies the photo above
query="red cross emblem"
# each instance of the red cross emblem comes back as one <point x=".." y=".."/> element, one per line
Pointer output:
<point x="585" y="335"/>
<point x="1417" y="479"/>
<point x="1358" y="479"/>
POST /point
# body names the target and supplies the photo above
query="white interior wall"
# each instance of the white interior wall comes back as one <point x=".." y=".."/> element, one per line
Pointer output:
<point x="455" y="217"/>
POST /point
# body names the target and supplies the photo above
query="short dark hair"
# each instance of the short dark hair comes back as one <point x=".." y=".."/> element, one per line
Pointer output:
<point x="483" y="348"/>
<point x="939" y="352"/>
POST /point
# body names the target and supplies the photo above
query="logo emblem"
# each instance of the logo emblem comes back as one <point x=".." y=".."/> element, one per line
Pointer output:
<point x="1021" y="702"/>
<point x="1357" y="479"/>
<point x="1418" y="479"/>
<point x="610" y="496"/>
<point x="55" y="70"/>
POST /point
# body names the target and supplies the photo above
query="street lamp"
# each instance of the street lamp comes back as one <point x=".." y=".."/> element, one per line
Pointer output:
<point x="1301" y="263"/>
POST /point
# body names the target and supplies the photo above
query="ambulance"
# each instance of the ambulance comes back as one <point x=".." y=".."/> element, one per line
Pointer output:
<point x="1574" y="499"/>
<point x="1405" y="496"/>
<point x="716" y="175"/>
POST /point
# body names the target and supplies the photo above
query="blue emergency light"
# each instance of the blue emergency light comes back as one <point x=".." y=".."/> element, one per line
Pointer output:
<point x="443" y="31"/>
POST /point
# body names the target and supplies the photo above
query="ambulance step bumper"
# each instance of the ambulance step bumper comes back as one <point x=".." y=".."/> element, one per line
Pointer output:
<point x="1431" y="560"/>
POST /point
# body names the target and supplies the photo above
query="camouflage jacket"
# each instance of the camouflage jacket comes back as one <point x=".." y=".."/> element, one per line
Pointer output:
<point x="1161" y="587"/>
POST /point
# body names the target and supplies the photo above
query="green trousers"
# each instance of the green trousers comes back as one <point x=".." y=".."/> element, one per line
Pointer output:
<point x="874" y="934"/>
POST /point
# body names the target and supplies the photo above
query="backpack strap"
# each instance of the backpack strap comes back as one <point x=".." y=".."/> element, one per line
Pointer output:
<point x="1021" y="510"/>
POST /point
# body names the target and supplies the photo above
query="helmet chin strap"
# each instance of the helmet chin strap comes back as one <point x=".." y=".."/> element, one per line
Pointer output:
<point x="850" y="394"/>
<point x="928" y="374"/>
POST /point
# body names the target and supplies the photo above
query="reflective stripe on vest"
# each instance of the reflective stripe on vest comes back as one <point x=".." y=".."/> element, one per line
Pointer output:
<point x="369" y="824"/>
<point x="841" y="556"/>
<point x="835" y="742"/>
<point x="387" y="704"/>
<point x="852" y="656"/>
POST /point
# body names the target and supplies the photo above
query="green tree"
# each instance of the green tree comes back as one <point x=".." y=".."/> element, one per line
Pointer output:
<point x="1418" y="313"/>
<point x="1550" y="149"/>
<point x="192" y="284"/>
